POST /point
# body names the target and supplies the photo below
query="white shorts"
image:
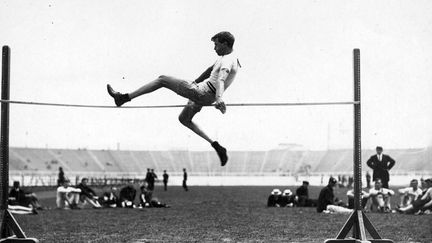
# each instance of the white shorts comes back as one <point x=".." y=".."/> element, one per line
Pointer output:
<point x="200" y="93"/>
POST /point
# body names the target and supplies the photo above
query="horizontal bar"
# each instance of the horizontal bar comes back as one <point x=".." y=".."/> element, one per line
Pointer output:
<point x="178" y="106"/>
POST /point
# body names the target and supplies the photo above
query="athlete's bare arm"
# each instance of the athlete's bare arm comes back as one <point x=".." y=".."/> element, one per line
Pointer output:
<point x="205" y="75"/>
<point x="220" y="88"/>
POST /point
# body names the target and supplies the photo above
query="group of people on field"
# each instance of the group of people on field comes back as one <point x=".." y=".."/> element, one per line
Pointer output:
<point x="287" y="198"/>
<point x="416" y="199"/>
<point x="81" y="195"/>
<point x="77" y="197"/>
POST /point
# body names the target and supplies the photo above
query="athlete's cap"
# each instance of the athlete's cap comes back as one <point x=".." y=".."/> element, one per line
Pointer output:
<point x="287" y="192"/>
<point x="332" y="180"/>
<point x="306" y="182"/>
<point x="276" y="192"/>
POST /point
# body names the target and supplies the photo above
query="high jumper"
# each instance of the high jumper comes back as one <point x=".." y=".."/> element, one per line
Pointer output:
<point x="206" y="90"/>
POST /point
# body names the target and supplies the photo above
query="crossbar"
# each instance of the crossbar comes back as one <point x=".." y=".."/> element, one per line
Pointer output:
<point x="177" y="105"/>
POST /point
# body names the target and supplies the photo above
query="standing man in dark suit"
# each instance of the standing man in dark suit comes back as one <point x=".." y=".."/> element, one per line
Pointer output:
<point x="148" y="175"/>
<point x="165" y="180"/>
<point x="151" y="180"/>
<point x="381" y="164"/>
<point x="185" y="187"/>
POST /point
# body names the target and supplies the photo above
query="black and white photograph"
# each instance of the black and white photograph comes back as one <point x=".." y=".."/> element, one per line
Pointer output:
<point x="216" y="121"/>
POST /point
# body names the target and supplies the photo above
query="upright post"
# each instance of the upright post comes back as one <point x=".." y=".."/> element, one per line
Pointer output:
<point x="357" y="140"/>
<point x="4" y="139"/>
<point x="8" y="223"/>
<point x="357" y="220"/>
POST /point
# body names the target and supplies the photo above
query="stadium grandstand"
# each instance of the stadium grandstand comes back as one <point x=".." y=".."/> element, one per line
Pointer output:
<point x="39" y="166"/>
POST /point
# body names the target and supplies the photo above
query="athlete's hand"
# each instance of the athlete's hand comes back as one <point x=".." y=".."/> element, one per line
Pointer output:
<point x="220" y="105"/>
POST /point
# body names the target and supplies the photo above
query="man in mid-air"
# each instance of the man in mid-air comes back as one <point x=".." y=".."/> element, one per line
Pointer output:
<point x="205" y="90"/>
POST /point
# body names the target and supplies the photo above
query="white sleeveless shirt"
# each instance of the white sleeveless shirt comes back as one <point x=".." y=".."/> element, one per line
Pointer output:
<point x="228" y="62"/>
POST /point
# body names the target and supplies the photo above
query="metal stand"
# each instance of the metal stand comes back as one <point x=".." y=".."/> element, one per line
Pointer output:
<point x="9" y="225"/>
<point x="357" y="221"/>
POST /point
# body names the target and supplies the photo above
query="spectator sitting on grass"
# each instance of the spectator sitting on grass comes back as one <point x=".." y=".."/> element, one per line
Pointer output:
<point x="147" y="200"/>
<point x="380" y="197"/>
<point x="67" y="196"/>
<point x="274" y="198"/>
<point x="326" y="201"/>
<point x="287" y="198"/>
<point x="364" y="199"/>
<point x="409" y="194"/>
<point x="109" y="199"/>
<point x="423" y="184"/>
<point x="18" y="196"/>
<point x="127" y="197"/>
<point x="302" y="196"/>
<point x="87" y="194"/>
<point x="423" y="204"/>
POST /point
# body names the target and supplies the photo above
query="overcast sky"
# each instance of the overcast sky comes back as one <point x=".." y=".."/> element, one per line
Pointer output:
<point x="291" y="51"/>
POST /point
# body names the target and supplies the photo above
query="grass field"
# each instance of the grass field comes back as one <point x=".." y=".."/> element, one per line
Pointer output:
<point x="210" y="214"/>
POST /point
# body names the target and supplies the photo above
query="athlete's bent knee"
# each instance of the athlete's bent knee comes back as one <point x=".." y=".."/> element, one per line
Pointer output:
<point x="163" y="79"/>
<point x="184" y="120"/>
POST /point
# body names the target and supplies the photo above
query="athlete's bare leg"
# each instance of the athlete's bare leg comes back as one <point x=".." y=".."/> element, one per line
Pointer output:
<point x="179" y="86"/>
<point x="161" y="82"/>
<point x="182" y="88"/>
<point x="186" y="116"/>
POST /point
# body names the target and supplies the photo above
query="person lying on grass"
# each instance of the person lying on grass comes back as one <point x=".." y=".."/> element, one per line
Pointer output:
<point x="109" y="198"/>
<point x="127" y="196"/>
<point x="147" y="200"/>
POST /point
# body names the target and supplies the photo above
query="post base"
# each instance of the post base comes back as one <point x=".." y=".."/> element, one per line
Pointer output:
<point x="11" y="231"/>
<point x="359" y="223"/>
<point x="358" y="241"/>
<point x="18" y="240"/>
